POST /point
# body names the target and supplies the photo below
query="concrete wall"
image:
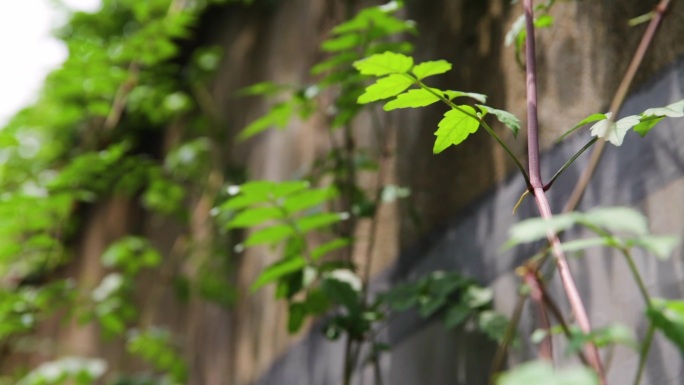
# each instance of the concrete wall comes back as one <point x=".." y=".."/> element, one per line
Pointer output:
<point x="463" y="197"/>
<point x="644" y="173"/>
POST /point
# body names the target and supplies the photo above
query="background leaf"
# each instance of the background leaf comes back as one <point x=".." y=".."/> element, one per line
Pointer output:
<point x="385" y="88"/>
<point x="430" y="68"/>
<point x="384" y="64"/>
<point x="412" y="99"/>
<point x="668" y="317"/>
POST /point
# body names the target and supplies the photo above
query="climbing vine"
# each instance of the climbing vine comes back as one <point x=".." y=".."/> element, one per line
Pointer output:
<point x="136" y="67"/>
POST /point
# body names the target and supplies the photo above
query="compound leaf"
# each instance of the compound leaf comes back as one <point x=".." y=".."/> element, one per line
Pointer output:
<point x="505" y="117"/>
<point x="384" y="64"/>
<point x="384" y="88"/>
<point x="473" y="95"/>
<point x="455" y="127"/>
<point x="412" y="99"/>
<point x="430" y="68"/>
<point x="277" y="271"/>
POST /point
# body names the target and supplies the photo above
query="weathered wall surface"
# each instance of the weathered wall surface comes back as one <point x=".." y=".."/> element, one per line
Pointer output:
<point x="462" y="197"/>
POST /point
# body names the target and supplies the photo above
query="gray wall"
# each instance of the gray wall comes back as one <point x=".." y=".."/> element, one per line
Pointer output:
<point x="645" y="173"/>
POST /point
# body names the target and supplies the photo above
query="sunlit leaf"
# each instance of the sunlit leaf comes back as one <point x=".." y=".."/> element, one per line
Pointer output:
<point x="335" y="61"/>
<point x="307" y="199"/>
<point x="455" y="127"/>
<point x="614" y="132"/>
<point x="317" y="221"/>
<point x="255" y="216"/>
<point x="674" y="110"/>
<point x="412" y="99"/>
<point x="326" y="248"/>
<point x="384" y="64"/>
<point x="269" y="235"/>
<point x="385" y="88"/>
<point x="341" y="43"/>
<point x="647" y="124"/>
<point x="430" y="68"/>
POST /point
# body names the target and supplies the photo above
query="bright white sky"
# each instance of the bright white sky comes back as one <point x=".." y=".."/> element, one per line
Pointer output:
<point x="28" y="50"/>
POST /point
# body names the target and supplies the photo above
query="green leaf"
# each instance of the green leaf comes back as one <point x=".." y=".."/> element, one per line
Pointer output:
<point x="342" y="43"/>
<point x="307" y="199"/>
<point x="297" y="315"/>
<point x="316" y="221"/>
<point x="430" y="68"/>
<point x="335" y="61"/>
<point x="613" y="334"/>
<point x="342" y="293"/>
<point x="455" y="128"/>
<point x="456" y="315"/>
<point x="384" y="88"/>
<point x="263" y="88"/>
<point x="616" y="219"/>
<point x="451" y="95"/>
<point x="505" y="117"/>
<point x="517" y="28"/>
<point x="589" y="119"/>
<point x="543" y="21"/>
<point x="278" y="116"/>
<point x="478" y="296"/>
<point x="614" y="132"/>
<point x="412" y="99"/>
<point x="269" y="235"/>
<point x="277" y="271"/>
<point x="668" y="317"/>
<point x="674" y="110"/>
<point x="325" y="248"/>
<point x="384" y="64"/>
<point x="660" y="246"/>
<point x="7" y="140"/>
<point x="255" y="216"/>
<point x="534" y="229"/>
<point x="647" y="124"/>
<point x="581" y="244"/>
<point x="542" y="373"/>
<point x="493" y="324"/>
<point x="428" y="305"/>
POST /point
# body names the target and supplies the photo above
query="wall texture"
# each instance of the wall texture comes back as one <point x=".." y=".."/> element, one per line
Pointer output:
<point x="462" y="197"/>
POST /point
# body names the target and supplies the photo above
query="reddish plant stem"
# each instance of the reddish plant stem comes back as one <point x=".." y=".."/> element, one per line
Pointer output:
<point x="567" y="280"/>
<point x="537" y="296"/>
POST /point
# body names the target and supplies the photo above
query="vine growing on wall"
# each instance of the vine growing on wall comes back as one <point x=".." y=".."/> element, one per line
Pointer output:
<point x="95" y="135"/>
<point x="398" y="72"/>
